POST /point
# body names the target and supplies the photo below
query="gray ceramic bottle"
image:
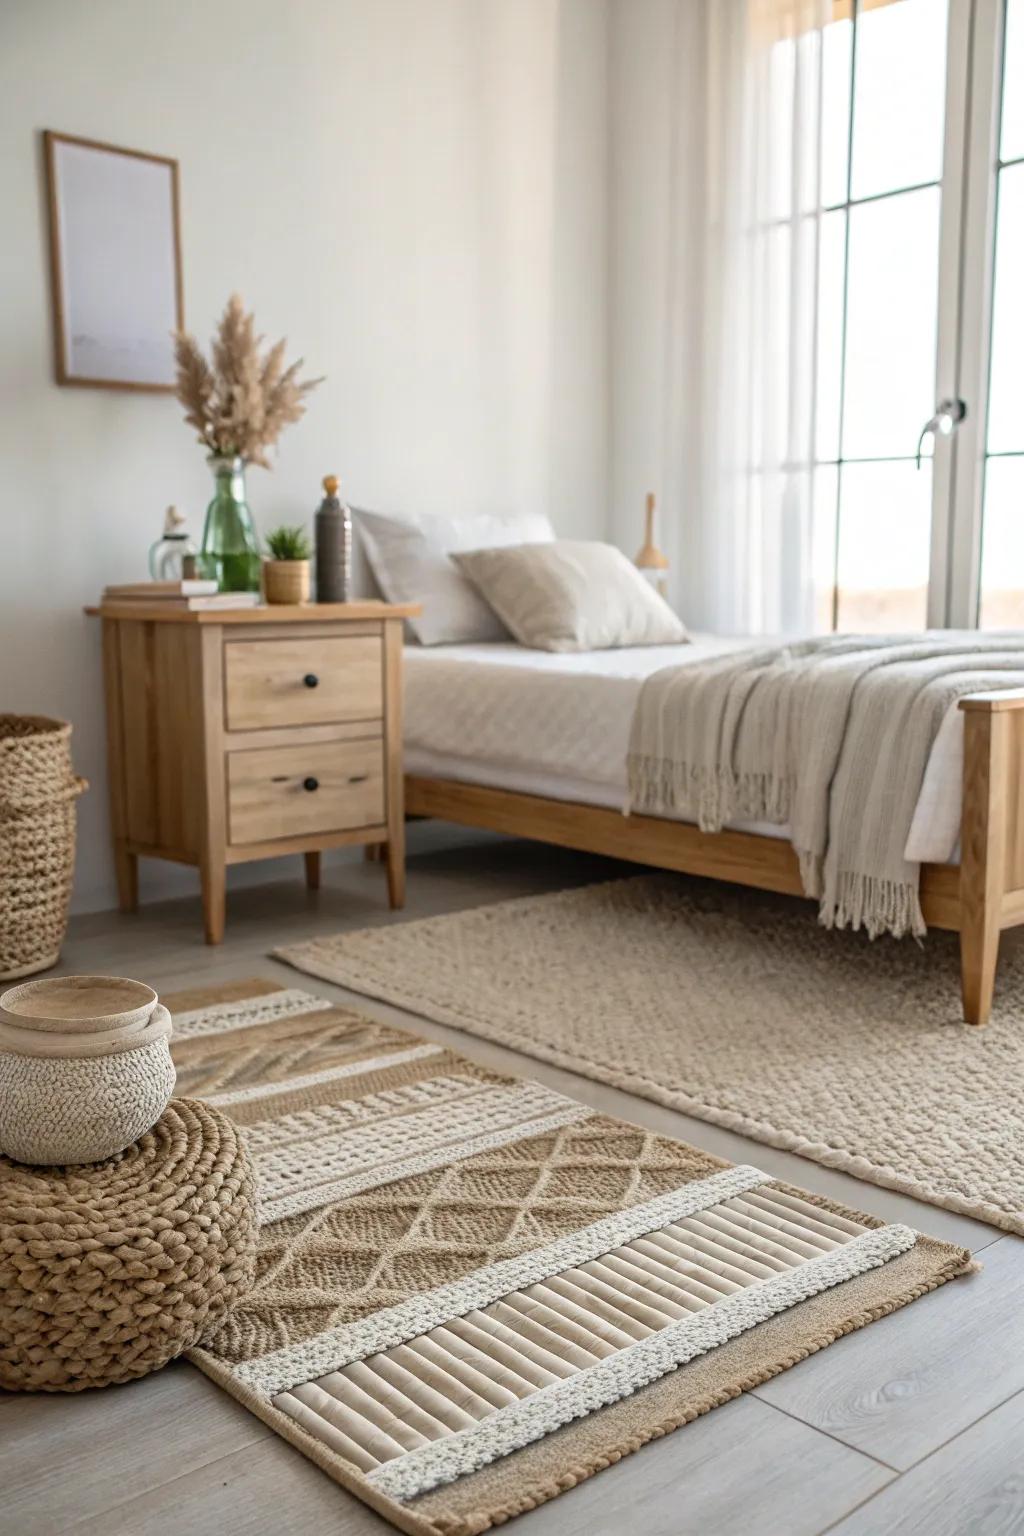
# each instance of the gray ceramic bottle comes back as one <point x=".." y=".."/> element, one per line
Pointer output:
<point x="333" y="528"/>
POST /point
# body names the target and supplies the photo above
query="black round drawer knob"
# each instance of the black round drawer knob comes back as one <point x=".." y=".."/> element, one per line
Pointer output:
<point x="311" y="783"/>
<point x="311" y="680"/>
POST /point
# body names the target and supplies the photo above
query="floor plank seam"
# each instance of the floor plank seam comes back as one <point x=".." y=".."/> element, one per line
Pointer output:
<point x="837" y="1440"/>
<point x="900" y="1475"/>
<point x="951" y="1439"/>
<point x="835" y="1525"/>
<point x="997" y="1237"/>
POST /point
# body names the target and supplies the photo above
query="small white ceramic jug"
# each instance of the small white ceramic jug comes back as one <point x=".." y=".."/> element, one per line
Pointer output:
<point x="85" y="1067"/>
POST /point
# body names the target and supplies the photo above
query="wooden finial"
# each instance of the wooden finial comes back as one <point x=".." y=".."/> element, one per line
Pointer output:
<point x="331" y="484"/>
<point x="650" y="557"/>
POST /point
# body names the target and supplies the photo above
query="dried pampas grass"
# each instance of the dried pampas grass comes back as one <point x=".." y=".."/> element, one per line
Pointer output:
<point x="241" y="404"/>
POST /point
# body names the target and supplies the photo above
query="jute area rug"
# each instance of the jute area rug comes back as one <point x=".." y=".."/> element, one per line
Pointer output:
<point x="472" y="1292"/>
<point x="739" y="1009"/>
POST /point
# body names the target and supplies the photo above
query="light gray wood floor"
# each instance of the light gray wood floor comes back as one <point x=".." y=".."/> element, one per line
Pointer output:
<point x="912" y="1425"/>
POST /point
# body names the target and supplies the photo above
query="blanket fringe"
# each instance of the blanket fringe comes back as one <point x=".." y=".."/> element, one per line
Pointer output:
<point x="875" y="904"/>
<point x="714" y="796"/>
<point x="711" y="796"/>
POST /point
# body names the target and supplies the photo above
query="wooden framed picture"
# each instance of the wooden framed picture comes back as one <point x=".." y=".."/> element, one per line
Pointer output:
<point x="115" y="249"/>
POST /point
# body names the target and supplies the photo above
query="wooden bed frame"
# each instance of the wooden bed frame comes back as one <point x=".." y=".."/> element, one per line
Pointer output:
<point x="978" y="897"/>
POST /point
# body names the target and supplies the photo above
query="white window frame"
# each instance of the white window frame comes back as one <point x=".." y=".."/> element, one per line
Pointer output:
<point x="967" y="260"/>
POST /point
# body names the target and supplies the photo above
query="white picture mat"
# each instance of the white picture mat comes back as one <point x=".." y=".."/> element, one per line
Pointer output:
<point x="117" y="245"/>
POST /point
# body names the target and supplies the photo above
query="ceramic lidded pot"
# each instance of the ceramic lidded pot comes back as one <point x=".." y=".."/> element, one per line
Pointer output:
<point x="85" y="1067"/>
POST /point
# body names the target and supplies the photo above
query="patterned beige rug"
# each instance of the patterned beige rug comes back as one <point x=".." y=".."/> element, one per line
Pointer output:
<point x="738" y="1009"/>
<point x="472" y="1293"/>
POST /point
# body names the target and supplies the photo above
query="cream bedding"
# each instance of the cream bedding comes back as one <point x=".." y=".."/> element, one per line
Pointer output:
<point x="558" y="725"/>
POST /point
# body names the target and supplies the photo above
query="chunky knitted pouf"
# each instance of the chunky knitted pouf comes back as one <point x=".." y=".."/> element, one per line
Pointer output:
<point x="109" y="1270"/>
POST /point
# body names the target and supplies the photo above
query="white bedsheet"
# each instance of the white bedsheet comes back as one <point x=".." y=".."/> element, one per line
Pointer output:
<point x="555" y="724"/>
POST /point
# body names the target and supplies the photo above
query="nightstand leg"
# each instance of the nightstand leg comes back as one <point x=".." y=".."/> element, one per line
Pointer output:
<point x="373" y="853"/>
<point x="213" y="877"/>
<point x="126" y="869"/>
<point x="394" y="848"/>
<point x="312" y="870"/>
<point x="395" y="855"/>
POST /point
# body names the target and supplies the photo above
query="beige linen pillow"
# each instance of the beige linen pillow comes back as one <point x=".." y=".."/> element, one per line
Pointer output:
<point x="409" y="559"/>
<point x="571" y="596"/>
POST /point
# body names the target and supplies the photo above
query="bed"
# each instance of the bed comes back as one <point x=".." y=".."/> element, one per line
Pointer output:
<point x="533" y="743"/>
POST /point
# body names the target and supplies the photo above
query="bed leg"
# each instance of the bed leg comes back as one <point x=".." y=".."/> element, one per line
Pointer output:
<point x="979" y="955"/>
<point x="983" y="830"/>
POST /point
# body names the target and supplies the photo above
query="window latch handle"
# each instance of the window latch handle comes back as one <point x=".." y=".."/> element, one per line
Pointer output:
<point x="948" y="416"/>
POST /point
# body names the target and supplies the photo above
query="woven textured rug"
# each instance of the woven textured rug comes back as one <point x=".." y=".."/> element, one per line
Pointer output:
<point x="739" y="1009"/>
<point x="472" y="1292"/>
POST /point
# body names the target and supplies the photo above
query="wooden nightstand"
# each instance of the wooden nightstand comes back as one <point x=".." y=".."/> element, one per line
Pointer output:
<point x="252" y="732"/>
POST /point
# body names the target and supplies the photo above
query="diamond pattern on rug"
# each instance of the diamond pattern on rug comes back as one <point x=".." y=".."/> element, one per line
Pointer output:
<point x="374" y="1250"/>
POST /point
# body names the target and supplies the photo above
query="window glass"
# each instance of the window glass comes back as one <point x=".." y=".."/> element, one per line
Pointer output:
<point x="891" y="323"/>
<point x="1002" y="552"/>
<point x="836" y="44"/>
<point x="823" y="544"/>
<point x="1011" y="145"/>
<point x="884" y="546"/>
<point x="1006" y="387"/>
<point x="831" y="264"/>
<point x="899" y="104"/>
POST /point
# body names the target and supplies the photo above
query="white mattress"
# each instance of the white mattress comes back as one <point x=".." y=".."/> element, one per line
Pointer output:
<point x="554" y="724"/>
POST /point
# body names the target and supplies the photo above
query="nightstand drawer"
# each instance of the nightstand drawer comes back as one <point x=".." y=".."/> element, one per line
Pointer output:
<point x="296" y="791"/>
<point x="302" y="682"/>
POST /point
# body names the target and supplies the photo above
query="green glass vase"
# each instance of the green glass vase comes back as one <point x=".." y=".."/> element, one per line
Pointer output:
<point x="230" y="553"/>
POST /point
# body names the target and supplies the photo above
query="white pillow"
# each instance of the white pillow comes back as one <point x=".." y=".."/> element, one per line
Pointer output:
<point x="571" y="596"/>
<point x="409" y="559"/>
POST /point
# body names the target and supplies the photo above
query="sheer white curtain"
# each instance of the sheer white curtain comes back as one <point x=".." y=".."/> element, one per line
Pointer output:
<point x="741" y="337"/>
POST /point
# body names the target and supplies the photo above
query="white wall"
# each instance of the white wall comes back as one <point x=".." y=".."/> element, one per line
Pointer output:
<point x="413" y="191"/>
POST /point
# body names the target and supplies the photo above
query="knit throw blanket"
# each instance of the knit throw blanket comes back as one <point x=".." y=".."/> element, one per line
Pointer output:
<point x="831" y="736"/>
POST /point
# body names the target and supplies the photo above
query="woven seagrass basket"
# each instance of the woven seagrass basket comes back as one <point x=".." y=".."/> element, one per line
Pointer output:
<point x="38" y="790"/>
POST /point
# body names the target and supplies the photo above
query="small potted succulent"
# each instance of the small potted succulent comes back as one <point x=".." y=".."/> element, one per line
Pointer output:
<point x="286" y="571"/>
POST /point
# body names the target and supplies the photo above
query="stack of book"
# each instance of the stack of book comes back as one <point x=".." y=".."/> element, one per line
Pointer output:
<point x="190" y="594"/>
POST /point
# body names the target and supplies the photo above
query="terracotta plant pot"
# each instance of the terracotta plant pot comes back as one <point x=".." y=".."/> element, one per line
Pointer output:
<point x="286" y="581"/>
<point x="85" y="1068"/>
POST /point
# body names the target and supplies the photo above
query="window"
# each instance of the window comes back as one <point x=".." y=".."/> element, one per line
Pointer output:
<point x="884" y="90"/>
<point x="921" y="300"/>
